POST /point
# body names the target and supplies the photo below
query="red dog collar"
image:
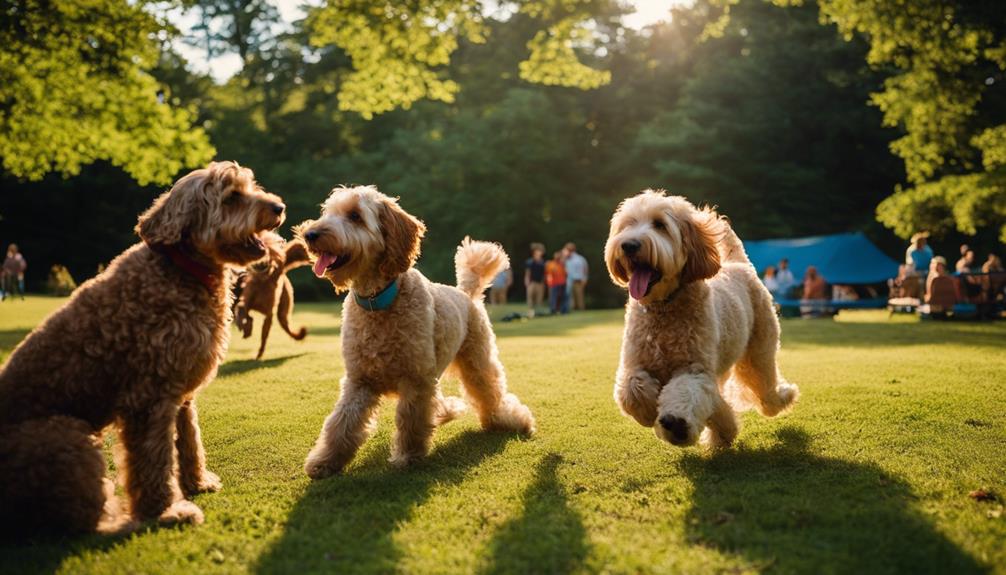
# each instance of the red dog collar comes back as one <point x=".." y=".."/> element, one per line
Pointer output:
<point x="207" y="276"/>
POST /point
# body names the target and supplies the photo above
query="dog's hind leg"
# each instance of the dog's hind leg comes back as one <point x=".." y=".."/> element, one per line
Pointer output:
<point x="192" y="472"/>
<point x="244" y="321"/>
<point x="481" y="373"/>
<point x="284" y="308"/>
<point x="266" y="326"/>
<point x="52" y="477"/>
<point x="757" y="370"/>
<point x="346" y="428"/>
<point x="447" y="408"/>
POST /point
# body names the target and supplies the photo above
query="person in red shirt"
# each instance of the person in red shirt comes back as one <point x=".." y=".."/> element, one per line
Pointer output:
<point x="555" y="277"/>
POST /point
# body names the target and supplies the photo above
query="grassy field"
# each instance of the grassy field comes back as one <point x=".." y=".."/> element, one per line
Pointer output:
<point x="870" y="473"/>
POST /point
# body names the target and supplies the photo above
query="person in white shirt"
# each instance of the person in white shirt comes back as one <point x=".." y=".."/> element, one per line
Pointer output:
<point x="784" y="278"/>
<point x="576" y="276"/>
<point x="771" y="282"/>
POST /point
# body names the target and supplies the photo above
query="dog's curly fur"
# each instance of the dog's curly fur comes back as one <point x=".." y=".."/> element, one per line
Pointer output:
<point x="130" y="348"/>
<point x="701" y="333"/>
<point x="362" y="243"/>
<point x="267" y="290"/>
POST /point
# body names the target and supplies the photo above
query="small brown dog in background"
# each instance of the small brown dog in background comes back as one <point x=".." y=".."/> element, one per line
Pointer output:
<point x="267" y="290"/>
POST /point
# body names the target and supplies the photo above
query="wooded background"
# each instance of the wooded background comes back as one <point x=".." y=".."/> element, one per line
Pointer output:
<point x="527" y="123"/>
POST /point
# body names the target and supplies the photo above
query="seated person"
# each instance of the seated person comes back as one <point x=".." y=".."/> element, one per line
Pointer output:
<point x="942" y="290"/>
<point x="994" y="281"/>
<point x="814" y="290"/>
<point x="844" y="293"/>
<point x="972" y="283"/>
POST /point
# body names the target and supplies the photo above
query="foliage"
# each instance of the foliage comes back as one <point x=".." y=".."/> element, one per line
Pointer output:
<point x="763" y="123"/>
<point x="869" y="473"/>
<point x="75" y="87"/>
<point x="399" y="50"/>
<point x="60" y="282"/>
<point x="946" y="62"/>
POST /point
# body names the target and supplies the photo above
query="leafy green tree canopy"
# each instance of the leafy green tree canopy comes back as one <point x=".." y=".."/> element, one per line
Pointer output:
<point x="400" y="50"/>
<point x="947" y="60"/>
<point x="75" y="88"/>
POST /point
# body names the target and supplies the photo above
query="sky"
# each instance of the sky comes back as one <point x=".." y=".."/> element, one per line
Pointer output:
<point x="223" y="67"/>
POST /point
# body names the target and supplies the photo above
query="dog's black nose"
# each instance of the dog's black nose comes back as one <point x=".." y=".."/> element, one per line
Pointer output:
<point x="677" y="426"/>
<point x="311" y="236"/>
<point x="630" y="247"/>
<point x="278" y="209"/>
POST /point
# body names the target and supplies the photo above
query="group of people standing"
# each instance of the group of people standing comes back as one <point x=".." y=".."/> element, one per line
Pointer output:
<point x="563" y="278"/>
<point x="12" y="274"/>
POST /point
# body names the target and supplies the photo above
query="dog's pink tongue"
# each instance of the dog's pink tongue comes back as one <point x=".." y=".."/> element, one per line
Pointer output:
<point x="324" y="260"/>
<point x="639" y="281"/>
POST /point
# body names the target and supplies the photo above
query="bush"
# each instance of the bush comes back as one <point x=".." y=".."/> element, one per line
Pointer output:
<point x="60" y="281"/>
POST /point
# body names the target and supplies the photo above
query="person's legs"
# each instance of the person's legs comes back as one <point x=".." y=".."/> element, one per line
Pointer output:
<point x="539" y="294"/>
<point x="578" y="295"/>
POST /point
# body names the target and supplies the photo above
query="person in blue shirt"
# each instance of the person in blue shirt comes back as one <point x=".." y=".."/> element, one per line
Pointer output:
<point x="918" y="256"/>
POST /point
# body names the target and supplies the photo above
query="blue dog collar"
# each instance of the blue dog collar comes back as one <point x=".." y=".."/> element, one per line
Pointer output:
<point x="381" y="301"/>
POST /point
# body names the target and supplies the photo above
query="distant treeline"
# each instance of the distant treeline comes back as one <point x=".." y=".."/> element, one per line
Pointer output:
<point x="769" y="121"/>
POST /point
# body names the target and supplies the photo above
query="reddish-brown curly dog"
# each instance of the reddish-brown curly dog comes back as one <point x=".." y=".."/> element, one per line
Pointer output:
<point x="267" y="290"/>
<point x="130" y="349"/>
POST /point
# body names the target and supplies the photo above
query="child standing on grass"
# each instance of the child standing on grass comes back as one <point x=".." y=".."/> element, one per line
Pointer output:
<point x="13" y="273"/>
<point x="534" y="278"/>
<point x="555" y="277"/>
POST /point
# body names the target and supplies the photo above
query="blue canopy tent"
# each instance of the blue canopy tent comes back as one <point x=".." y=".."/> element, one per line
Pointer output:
<point x="841" y="259"/>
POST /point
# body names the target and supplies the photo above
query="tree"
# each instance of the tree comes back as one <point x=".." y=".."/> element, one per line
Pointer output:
<point x="75" y="87"/>
<point x="946" y="61"/>
<point x="771" y="124"/>
<point x="400" y="50"/>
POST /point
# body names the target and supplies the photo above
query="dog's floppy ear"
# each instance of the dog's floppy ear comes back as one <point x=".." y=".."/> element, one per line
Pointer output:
<point x="167" y="220"/>
<point x="402" y="235"/>
<point x="701" y="231"/>
<point x="188" y="207"/>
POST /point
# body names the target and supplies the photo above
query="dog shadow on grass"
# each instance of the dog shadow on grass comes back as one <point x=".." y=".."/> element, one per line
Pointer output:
<point x="786" y="508"/>
<point x="548" y="536"/>
<point x="347" y="523"/>
<point x="239" y="366"/>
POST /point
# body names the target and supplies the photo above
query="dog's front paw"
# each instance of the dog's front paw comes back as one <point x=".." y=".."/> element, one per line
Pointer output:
<point x="677" y="430"/>
<point x="209" y="483"/>
<point x="638" y="397"/>
<point x="182" y="511"/>
<point x="318" y="468"/>
<point x="403" y="460"/>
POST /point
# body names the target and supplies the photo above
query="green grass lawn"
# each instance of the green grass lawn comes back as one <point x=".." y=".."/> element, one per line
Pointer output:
<point x="871" y="472"/>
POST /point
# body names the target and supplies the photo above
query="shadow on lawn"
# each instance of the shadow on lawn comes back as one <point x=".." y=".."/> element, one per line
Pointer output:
<point x="545" y="325"/>
<point x="797" y="333"/>
<point x="45" y="553"/>
<point x="786" y="507"/>
<point x="548" y="537"/>
<point x="240" y="366"/>
<point x="347" y="523"/>
<point x="9" y="339"/>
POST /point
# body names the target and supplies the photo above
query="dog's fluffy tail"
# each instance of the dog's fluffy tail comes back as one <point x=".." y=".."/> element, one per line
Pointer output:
<point x="477" y="263"/>
<point x="730" y="246"/>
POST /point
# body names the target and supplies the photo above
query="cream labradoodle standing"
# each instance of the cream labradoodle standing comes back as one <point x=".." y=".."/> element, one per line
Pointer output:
<point x="400" y="331"/>
<point x="699" y="324"/>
